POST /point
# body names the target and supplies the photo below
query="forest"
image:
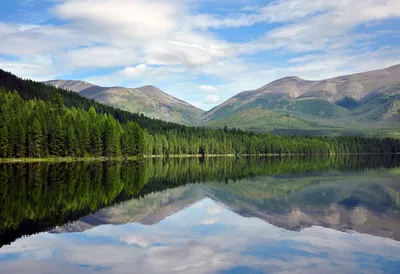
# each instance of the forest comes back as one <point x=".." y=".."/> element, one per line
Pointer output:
<point x="39" y="121"/>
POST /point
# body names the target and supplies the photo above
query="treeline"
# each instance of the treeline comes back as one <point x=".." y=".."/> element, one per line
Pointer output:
<point x="39" y="129"/>
<point x="42" y="121"/>
<point x="29" y="89"/>
<point x="35" y="128"/>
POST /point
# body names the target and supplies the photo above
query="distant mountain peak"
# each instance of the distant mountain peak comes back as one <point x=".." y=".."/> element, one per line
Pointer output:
<point x="149" y="87"/>
<point x="290" y="78"/>
<point x="356" y="98"/>
<point x="149" y="100"/>
<point x="72" y="85"/>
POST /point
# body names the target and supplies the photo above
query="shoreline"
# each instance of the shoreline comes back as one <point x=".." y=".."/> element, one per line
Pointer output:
<point x="137" y="158"/>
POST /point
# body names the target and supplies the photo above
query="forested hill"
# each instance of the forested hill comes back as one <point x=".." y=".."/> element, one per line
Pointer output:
<point x="58" y="123"/>
<point x="29" y="89"/>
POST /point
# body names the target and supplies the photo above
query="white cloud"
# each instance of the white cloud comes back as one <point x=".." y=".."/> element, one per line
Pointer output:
<point x="212" y="99"/>
<point x="207" y="87"/>
<point x="176" y="45"/>
<point x="131" y="19"/>
<point x="134" y="71"/>
<point x="99" y="57"/>
<point x="344" y="12"/>
<point x="30" y="69"/>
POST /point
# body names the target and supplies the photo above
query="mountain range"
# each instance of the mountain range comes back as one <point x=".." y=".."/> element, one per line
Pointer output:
<point x="149" y="100"/>
<point x="361" y="102"/>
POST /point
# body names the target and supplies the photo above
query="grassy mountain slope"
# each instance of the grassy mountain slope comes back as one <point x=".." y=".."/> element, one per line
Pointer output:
<point x="354" y="103"/>
<point x="359" y="87"/>
<point x="148" y="100"/>
<point x="268" y="120"/>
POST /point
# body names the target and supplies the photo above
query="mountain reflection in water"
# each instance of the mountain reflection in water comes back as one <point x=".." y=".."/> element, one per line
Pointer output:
<point x="218" y="215"/>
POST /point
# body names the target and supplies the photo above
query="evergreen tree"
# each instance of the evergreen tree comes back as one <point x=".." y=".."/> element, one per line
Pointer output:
<point x="96" y="145"/>
<point x="138" y="137"/>
<point x="38" y="128"/>
<point x="35" y="139"/>
<point x="4" y="142"/>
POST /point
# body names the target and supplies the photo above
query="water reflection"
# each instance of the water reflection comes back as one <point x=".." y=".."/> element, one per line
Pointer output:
<point x="187" y="216"/>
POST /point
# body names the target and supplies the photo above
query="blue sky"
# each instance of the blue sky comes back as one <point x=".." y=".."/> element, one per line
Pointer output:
<point x="201" y="51"/>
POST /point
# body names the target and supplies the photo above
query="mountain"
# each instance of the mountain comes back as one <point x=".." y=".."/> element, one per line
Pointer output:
<point x="149" y="100"/>
<point x="358" y="101"/>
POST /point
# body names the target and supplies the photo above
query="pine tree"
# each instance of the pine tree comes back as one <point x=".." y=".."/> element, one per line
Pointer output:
<point x="111" y="138"/>
<point x="96" y="146"/>
<point x="35" y="139"/>
<point x="4" y="142"/>
<point x="70" y="141"/>
<point x="56" y="136"/>
<point x="17" y="138"/>
<point x="138" y="139"/>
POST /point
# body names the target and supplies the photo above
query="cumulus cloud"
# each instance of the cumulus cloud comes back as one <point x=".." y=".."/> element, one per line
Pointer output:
<point x="134" y="71"/>
<point x="207" y="87"/>
<point x="130" y="19"/>
<point x="170" y="43"/>
<point x="212" y="99"/>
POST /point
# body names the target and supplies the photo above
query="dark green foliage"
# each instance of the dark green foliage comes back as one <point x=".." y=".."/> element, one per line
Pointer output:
<point x="29" y="89"/>
<point x="70" y="125"/>
<point x="133" y="142"/>
<point x="4" y="142"/>
<point x="348" y="103"/>
<point x="35" y="128"/>
<point x="35" y="139"/>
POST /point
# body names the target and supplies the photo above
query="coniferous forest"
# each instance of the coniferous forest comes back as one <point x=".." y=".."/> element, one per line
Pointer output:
<point x="40" y="121"/>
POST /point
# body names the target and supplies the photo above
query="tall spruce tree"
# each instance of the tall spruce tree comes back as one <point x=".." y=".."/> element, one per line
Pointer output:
<point x="35" y="139"/>
<point x="4" y="142"/>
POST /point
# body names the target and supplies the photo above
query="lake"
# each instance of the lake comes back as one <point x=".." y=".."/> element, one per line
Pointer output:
<point x="190" y="215"/>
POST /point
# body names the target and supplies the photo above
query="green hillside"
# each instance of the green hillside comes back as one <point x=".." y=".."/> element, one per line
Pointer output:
<point x="267" y="120"/>
<point x="360" y="104"/>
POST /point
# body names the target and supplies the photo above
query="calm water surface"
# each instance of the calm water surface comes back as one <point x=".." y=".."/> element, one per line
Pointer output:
<point x="219" y="215"/>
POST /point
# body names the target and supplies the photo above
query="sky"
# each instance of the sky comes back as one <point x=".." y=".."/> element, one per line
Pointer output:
<point x="201" y="51"/>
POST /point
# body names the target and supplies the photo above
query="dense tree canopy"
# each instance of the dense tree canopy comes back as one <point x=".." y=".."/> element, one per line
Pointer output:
<point x="35" y="128"/>
<point x="41" y="121"/>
